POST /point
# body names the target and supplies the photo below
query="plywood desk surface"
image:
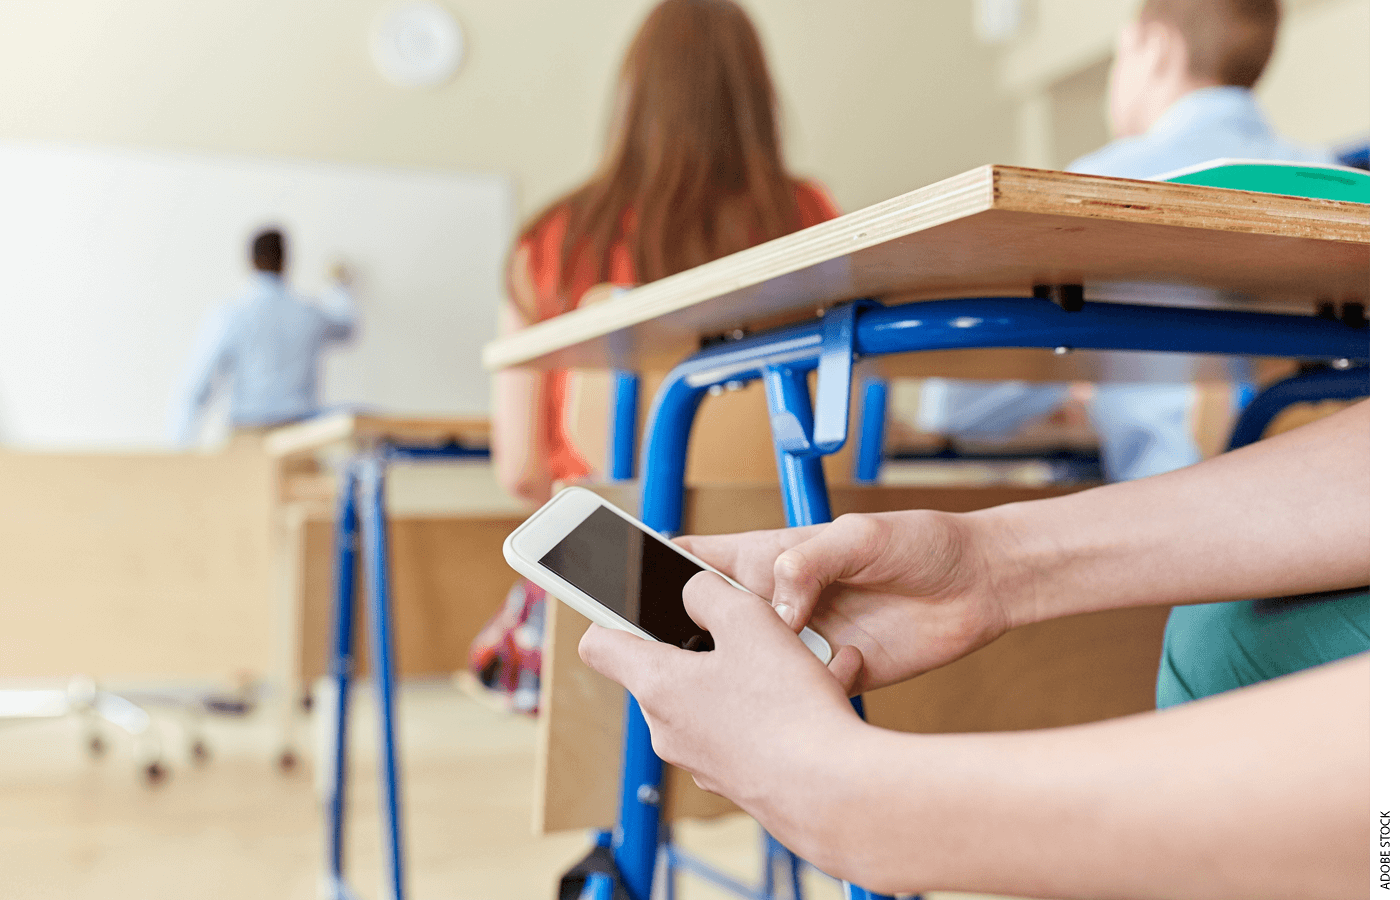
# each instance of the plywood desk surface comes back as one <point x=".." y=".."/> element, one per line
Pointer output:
<point x="991" y="231"/>
<point x="334" y="428"/>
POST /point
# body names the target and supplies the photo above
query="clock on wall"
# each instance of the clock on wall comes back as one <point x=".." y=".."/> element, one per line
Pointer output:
<point x="416" y="43"/>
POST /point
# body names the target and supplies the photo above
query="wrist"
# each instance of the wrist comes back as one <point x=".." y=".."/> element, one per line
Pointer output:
<point x="1014" y="558"/>
<point x="825" y="825"/>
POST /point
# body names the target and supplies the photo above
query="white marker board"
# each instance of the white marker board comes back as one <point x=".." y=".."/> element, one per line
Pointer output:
<point x="112" y="257"/>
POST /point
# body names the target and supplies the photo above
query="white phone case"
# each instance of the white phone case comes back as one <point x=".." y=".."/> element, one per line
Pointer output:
<point x="538" y="534"/>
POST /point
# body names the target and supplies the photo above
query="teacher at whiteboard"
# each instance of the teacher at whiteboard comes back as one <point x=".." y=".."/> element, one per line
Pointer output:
<point x="267" y="344"/>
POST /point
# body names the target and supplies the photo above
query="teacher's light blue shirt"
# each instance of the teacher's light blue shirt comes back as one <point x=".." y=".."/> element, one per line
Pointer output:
<point x="267" y="343"/>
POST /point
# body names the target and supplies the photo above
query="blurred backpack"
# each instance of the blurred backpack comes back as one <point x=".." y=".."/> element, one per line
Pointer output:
<point x="506" y="655"/>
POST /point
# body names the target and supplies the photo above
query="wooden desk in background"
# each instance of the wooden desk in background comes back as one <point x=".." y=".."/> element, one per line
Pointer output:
<point x="135" y="566"/>
<point x="170" y="565"/>
<point x="445" y="535"/>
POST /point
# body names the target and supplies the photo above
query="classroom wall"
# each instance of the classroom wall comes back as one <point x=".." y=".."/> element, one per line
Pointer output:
<point x="881" y="97"/>
<point x="1318" y="86"/>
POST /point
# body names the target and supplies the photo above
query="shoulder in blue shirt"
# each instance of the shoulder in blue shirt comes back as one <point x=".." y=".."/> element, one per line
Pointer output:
<point x="1211" y="123"/>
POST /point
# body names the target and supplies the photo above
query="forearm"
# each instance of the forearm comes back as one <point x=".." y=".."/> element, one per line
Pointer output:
<point x="339" y="307"/>
<point x="187" y="409"/>
<point x="184" y="421"/>
<point x="1286" y="516"/>
<point x="1258" y="793"/>
<point x="519" y="453"/>
<point x="207" y="364"/>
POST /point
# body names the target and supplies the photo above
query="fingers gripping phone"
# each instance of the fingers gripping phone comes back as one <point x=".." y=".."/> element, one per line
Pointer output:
<point x="615" y="570"/>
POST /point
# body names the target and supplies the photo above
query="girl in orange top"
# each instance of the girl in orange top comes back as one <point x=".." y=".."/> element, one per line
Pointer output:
<point x="693" y="172"/>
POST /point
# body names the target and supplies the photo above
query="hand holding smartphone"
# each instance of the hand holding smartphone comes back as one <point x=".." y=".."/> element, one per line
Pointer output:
<point x="615" y="570"/>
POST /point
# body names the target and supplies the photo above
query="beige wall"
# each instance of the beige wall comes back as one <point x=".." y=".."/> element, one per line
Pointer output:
<point x="1317" y="88"/>
<point x="881" y="97"/>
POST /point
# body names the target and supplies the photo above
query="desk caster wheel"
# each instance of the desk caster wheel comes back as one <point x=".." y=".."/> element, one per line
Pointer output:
<point x="287" y="762"/>
<point x="199" y="752"/>
<point x="96" y="746"/>
<point x="155" y="773"/>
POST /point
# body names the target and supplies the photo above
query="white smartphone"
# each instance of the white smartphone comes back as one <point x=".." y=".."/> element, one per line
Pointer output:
<point x="615" y="570"/>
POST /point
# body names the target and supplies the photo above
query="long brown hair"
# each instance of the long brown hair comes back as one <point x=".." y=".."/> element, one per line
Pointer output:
<point x="695" y="155"/>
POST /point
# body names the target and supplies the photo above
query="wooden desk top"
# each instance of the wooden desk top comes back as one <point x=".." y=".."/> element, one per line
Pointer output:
<point x="333" y="428"/>
<point x="991" y="231"/>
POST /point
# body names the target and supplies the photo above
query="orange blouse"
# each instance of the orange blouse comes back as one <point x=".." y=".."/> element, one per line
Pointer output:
<point x="543" y="249"/>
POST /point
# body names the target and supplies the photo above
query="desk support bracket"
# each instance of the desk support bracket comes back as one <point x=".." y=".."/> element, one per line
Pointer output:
<point x="833" y="413"/>
<point x="825" y="430"/>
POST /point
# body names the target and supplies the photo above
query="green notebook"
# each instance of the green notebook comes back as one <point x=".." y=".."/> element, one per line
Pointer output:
<point x="1320" y="181"/>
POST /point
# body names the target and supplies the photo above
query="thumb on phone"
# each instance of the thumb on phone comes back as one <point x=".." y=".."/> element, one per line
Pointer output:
<point x="845" y="666"/>
<point x="802" y="572"/>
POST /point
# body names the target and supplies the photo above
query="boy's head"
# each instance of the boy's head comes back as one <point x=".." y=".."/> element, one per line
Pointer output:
<point x="1174" y="47"/>
<point x="267" y="251"/>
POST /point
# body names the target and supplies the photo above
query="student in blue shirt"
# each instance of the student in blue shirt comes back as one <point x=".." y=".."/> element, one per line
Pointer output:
<point x="268" y="344"/>
<point x="1179" y="94"/>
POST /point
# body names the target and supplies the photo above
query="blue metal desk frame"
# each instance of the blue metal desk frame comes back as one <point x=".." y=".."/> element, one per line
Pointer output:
<point x="362" y="535"/>
<point x="802" y="434"/>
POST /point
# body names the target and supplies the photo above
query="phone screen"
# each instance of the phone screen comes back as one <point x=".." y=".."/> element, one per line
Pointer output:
<point x="632" y="573"/>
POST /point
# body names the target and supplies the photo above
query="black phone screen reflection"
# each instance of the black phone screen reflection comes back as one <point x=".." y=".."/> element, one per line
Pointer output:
<point x="632" y="573"/>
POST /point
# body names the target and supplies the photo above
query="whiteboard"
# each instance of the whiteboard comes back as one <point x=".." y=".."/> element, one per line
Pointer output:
<point x="113" y="257"/>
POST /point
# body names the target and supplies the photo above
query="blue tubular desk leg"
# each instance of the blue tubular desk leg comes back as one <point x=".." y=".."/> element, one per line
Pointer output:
<point x="782" y="358"/>
<point x="363" y="532"/>
<point x="636" y="839"/>
<point x="871" y="449"/>
<point x="775" y="857"/>
<point x="1305" y="387"/>
<point x="381" y="632"/>
<point x="362" y="523"/>
<point x="342" y="671"/>
<point x="626" y="386"/>
<point x="803" y="481"/>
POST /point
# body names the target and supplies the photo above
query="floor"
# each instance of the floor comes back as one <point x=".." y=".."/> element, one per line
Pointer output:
<point x="80" y="828"/>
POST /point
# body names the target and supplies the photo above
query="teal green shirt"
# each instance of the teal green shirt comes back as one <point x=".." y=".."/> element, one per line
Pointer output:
<point x="1215" y="647"/>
